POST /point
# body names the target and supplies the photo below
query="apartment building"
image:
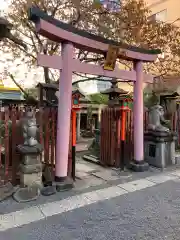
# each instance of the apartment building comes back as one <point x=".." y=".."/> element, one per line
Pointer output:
<point x="165" y="10"/>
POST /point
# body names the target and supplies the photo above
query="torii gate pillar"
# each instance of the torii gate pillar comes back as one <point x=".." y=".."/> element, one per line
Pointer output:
<point x="138" y="164"/>
<point x="64" y="115"/>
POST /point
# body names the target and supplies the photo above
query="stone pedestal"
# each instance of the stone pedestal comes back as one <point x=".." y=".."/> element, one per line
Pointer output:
<point x="30" y="173"/>
<point x="160" y="148"/>
<point x="31" y="166"/>
<point x="139" y="166"/>
<point x="64" y="183"/>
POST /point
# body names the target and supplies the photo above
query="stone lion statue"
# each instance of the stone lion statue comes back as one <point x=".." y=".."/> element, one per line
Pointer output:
<point x="156" y="119"/>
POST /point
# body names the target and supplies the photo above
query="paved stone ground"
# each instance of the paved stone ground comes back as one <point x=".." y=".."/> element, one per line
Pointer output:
<point x="91" y="177"/>
<point x="83" y="144"/>
<point x="149" y="214"/>
<point x="85" y="212"/>
<point x="105" y="204"/>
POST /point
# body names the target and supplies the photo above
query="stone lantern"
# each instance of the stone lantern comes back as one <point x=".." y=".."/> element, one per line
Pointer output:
<point x="116" y="95"/>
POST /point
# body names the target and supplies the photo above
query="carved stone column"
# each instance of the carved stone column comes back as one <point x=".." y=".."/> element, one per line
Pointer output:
<point x="31" y="166"/>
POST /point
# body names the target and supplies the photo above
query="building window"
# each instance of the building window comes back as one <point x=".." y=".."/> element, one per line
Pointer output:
<point x="111" y="5"/>
<point x="159" y="17"/>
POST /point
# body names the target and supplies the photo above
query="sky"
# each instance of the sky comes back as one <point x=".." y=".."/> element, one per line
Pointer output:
<point x="3" y="4"/>
<point x="21" y="73"/>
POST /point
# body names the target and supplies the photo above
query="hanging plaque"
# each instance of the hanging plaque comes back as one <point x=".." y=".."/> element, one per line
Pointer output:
<point x="110" y="61"/>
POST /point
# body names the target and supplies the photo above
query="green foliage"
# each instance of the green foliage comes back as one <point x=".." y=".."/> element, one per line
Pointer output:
<point x="99" y="98"/>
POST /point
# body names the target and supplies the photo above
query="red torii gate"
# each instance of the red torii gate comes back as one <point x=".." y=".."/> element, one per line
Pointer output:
<point x="71" y="37"/>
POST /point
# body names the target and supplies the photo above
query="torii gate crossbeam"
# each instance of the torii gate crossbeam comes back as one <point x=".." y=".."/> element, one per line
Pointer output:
<point x="71" y="37"/>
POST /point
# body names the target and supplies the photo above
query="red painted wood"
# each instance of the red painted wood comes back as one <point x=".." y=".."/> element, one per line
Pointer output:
<point x="118" y="139"/>
<point x="6" y="144"/>
<point x="70" y="151"/>
<point x="110" y="137"/>
<point x="15" y="157"/>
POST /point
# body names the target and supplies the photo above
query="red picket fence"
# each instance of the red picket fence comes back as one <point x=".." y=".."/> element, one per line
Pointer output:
<point x="11" y="136"/>
<point x="110" y="142"/>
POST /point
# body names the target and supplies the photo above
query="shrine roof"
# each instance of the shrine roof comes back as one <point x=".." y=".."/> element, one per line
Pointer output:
<point x="13" y="96"/>
<point x="48" y="85"/>
<point x="55" y="86"/>
<point x="36" y="15"/>
<point x="114" y="90"/>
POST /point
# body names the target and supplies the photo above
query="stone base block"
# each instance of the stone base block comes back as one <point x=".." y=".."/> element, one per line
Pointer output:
<point x="139" y="166"/>
<point x="29" y="169"/>
<point x="48" y="191"/>
<point x="31" y="159"/>
<point x="63" y="184"/>
<point x="160" y="154"/>
<point x="31" y="179"/>
<point x="29" y="150"/>
<point x="26" y="194"/>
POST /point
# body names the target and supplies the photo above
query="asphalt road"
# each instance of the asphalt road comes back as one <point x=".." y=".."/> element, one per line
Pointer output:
<point x="152" y="213"/>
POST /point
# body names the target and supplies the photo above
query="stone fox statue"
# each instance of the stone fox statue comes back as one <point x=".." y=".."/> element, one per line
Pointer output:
<point x="156" y="119"/>
<point x="30" y="128"/>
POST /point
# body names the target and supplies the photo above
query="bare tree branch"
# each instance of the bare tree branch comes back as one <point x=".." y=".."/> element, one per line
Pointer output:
<point x="129" y="25"/>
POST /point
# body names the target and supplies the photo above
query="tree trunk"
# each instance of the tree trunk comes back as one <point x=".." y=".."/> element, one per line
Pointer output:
<point x="46" y="75"/>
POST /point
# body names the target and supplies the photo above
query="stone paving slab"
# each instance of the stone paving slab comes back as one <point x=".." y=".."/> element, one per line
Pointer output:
<point x="176" y="173"/>
<point x="161" y="178"/>
<point x="107" y="175"/>
<point x="82" y="167"/>
<point x="16" y="219"/>
<point x="81" y="175"/>
<point x="137" y="185"/>
<point x="87" y="182"/>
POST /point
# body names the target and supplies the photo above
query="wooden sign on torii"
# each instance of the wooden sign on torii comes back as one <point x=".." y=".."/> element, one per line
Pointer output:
<point x="70" y="38"/>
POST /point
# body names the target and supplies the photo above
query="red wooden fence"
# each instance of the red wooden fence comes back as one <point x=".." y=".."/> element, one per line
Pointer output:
<point x="110" y="147"/>
<point x="11" y="136"/>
